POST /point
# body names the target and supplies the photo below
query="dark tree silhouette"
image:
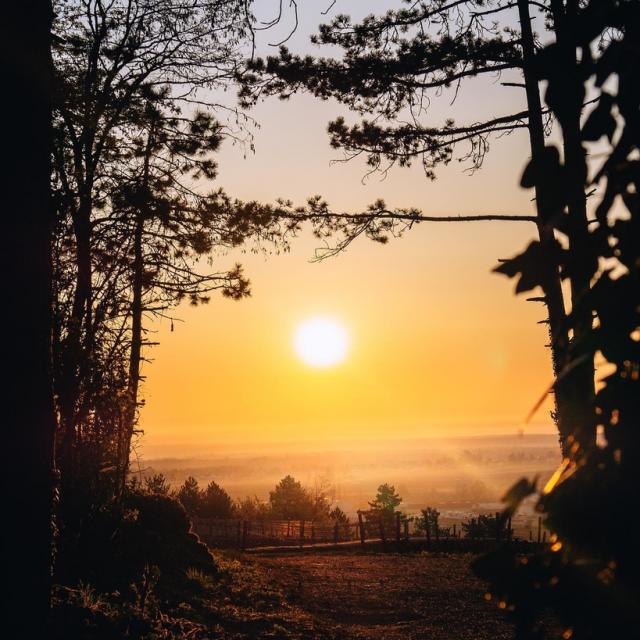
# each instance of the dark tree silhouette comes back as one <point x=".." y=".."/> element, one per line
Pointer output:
<point x="190" y="496"/>
<point x="387" y="499"/>
<point x="339" y="516"/>
<point x="589" y="574"/>
<point x="135" y="134"/>
<point x="291" y="501"/>
<point x="216" y="502"/>
<point x="253" y="509"/>
<point x="27" y="413"/>
<point x="157" y="484"/>
<point x="390" y="68"/>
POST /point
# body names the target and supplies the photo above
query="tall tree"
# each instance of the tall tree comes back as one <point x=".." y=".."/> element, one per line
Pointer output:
<point x="588" y="576"/>
<point x="136" y="126"/>
<point x="109" y="59"/>
<point x="28" y="419"/>
<point x="391" y="66"/>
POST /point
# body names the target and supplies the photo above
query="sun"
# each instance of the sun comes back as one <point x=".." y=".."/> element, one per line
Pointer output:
<point x="321" y="342"/>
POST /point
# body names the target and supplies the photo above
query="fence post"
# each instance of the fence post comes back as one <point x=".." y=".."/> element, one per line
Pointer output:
<point x="239" y="534"/>
<point x="361" y="524"/>
<point x="244" y="534"/>
<point x="427" y="530"/>
<point x="313" y="533"/>
<point x="383" y="536"/>
<point x="301" y="533"/>
<point x="397" y="527"/>
<point x="455" y="535"/>
<point x="406" y="530"/>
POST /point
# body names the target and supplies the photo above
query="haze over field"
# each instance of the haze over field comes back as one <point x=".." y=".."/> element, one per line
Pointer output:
<point x="463" y="473"/>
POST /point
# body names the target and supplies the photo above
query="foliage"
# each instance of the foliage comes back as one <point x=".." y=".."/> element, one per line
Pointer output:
<point x="158" y="484"/>
<point x="190" y="496"/>
<point x="386" y="500"/>
<point x="137" y="228"/>
<point x="241" y="601"/>
<point x="387" y="70"/>
<point x="138" y="544"/>
<point x="216" y="502"/>
<point x="253" y="509"/>
<point x="339" y="516"/>
<point x="291" y="501"/>
<point x="212" y="502"/>
<point x="589" y="575"/>
<point x="486" y="526"/>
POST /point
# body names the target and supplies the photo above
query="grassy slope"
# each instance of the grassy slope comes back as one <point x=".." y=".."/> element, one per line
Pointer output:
<point x="330" y="595"/>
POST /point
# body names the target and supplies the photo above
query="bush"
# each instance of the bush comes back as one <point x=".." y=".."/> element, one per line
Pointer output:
<point x="120" y="541"/>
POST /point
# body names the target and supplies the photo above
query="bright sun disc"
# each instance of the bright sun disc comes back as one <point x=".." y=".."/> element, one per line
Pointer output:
<point x="321" y="342"/>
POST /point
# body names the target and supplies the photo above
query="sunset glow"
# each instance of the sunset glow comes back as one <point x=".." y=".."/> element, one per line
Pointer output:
<point x="321" y="342"/>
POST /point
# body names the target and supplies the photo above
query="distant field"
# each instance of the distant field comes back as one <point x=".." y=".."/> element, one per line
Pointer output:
<point x="436" y="472"/>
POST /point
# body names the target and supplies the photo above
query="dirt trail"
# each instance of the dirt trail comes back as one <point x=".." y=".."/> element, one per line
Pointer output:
<point x="389" y="596"/>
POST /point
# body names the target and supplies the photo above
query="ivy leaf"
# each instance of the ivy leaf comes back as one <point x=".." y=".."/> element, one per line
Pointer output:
<point x="528" y="266"/>
<point x="600" y="121"/>
<point x="537" y="172"/>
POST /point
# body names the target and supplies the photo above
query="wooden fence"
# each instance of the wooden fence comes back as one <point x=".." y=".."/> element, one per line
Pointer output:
<point x="246" y="534"/>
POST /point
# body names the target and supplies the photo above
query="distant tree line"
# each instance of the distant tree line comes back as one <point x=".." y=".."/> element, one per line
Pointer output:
<point x="289" y="500"/>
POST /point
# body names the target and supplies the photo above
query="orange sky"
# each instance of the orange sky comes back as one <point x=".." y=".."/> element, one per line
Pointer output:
<point x="439" y="344"/>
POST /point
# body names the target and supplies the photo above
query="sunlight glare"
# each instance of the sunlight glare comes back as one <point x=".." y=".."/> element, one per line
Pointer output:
<point x="321" y="342"/>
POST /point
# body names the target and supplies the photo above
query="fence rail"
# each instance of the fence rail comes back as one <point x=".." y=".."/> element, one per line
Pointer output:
<point x="247" y="534"/>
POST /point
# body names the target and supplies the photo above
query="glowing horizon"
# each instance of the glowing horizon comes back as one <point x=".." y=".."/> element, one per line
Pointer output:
<point x="439" y="343"/>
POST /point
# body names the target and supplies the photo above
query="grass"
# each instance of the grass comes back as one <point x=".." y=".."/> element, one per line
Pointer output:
<point x="307" y="596"/>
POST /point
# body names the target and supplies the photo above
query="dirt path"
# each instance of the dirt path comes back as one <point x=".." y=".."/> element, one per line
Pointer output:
<point x="388" y="596"/>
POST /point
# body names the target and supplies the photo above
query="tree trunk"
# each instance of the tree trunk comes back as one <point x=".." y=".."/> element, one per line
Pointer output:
<point x="583" y="265"/>
<point x="28" y="417"/>
<point x="77" y="346"/>
<point x="568" y="391"/>
<point x="135" y="353"/>
<point x="137" y="284"/>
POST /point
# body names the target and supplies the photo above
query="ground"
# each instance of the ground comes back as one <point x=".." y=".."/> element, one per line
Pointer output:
<point x="311" y="595"/>
<point x="381" y="596"/>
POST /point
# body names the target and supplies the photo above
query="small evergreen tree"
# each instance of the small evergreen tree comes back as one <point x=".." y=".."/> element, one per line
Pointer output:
<point x="291" y="501"/>
<point x="157" y="484"/>
<point x="190" y="496"/>
<point x="339" y="516"/>
<point x="216" y="502"/>
<point x="386" y="499"/>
